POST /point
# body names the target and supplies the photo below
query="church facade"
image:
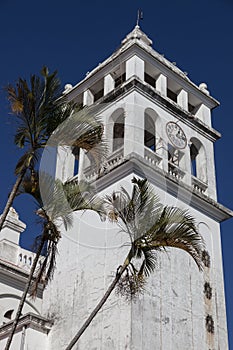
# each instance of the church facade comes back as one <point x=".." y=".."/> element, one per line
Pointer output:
<point x="157" y="124"/>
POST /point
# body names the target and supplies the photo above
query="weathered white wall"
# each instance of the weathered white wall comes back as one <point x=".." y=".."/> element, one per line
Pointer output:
<point x="28" y="339"/>
<point x="170" y="315"/>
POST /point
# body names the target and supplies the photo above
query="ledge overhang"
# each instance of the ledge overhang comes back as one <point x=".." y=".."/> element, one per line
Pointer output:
<point x="29" y="320"/>
<point x="134" y="164"/>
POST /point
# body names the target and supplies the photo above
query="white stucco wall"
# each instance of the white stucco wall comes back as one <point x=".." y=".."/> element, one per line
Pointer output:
<point x="171" y="313"/>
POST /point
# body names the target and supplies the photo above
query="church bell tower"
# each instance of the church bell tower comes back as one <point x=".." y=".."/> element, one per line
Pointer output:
<point x="157" y="123"/>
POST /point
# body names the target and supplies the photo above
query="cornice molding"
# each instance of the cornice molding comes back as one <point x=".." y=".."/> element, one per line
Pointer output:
<point x="16" y="277"/>
<point x="135" y="47"/>
<point x="136" y="165"/>
<point x="153" y="95"/>
<point x="30" y="320"/>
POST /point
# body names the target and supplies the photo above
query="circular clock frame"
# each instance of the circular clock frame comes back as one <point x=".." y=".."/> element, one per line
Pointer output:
<point x="176" y="135"/>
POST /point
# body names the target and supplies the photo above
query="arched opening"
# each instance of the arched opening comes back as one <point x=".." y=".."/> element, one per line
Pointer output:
<point x="151" y="128"/>
<point x="193" y="157"/>
<point x="198" y="160"/>
<point x="149" y="133"/>
<point x="118" y="132"/>
<point x="8" y="314"/>
<point x="76" y="153"/>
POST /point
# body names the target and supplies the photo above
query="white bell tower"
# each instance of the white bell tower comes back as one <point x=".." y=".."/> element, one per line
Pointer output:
<point x="158" y="125"/>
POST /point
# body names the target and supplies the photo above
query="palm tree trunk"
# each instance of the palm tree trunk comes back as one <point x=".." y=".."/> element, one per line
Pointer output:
<point x="100" y="304"/>
<point x="24" y="295"/>
<point x="11" y="198"/>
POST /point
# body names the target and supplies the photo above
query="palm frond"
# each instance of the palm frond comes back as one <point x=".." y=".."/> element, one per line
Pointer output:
<point x="149" y="262"/>
<point x="27" y="160"/>
<point x="136" y="212"/>
<point x="35" y="104"/>
<point x="83" y="129"/>
<point x="57" y="200"/>
<point x="151" y="226"/>
<point x="175" y="228"/>
<point x="46" y="269"/>
<point x="81" y="196"/>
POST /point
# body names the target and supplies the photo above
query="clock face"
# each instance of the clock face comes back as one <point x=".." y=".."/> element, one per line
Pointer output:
<point x="176" y="135"/>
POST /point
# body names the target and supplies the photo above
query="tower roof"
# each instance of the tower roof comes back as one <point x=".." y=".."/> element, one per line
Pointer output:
<point x="137" y="41"/>
<point x="138" y="34"/>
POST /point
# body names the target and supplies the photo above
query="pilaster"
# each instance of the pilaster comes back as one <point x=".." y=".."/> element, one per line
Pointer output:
<point x="161" y="85"/>
<point x="135" y="67"/>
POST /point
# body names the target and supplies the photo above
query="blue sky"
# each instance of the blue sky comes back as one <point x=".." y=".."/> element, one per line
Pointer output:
<point x="74" y="36"/>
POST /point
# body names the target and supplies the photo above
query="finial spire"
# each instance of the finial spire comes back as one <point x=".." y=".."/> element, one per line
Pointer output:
<point x="140" y="16"/>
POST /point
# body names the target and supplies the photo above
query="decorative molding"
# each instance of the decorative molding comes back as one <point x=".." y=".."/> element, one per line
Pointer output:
<point x="171" y="106"/>
<point x="148" y="54"/>
<point x="29" y="320"/>
<point x="134" y="164"/>
<point x="16" y="277"/>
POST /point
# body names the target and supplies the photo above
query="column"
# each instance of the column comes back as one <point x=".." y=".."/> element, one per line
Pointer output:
<point x="161" y="85"/>
<point x="135" y="67"/>
<point x="204" y="114"/>
<point x="88" y="98"/>
<point x="65" y="163"/>
<point x="109" y="84"/>
<point x="134" y="128"/>
<point x="185" y="164"/>
<point x="182" y="99"/>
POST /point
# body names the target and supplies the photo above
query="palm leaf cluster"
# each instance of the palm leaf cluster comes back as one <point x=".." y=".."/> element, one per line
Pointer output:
<point x="83" y="129"/>
<point x="39" y="111"/>
<point x="151" y="227"/>
<point x="62" y="199"/>
<point x="34" y="104"/>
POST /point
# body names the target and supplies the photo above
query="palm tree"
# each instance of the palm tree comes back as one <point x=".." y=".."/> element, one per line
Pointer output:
<point x="32" y="104"/>
<point x="151" y="227"/>
<point x="39" y="110"/>
<point x="62" y="200"/>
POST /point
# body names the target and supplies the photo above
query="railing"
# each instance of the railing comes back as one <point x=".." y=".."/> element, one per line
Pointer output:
<point x="151" y="157"/>
<point x="114" y="160"/>
<point x="199" y="185"/>
<point x="25" y="259"/>
<point x="175" y="171"/>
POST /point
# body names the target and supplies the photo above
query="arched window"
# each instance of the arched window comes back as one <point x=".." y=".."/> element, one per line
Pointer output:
<point x="118" y="132"/>
<point x="76" y="153"/>
<point x="198" y="160"/>
<point x="149" y="133"/>
<point x="151" y="129"/>
<point x="193" y="157"/>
